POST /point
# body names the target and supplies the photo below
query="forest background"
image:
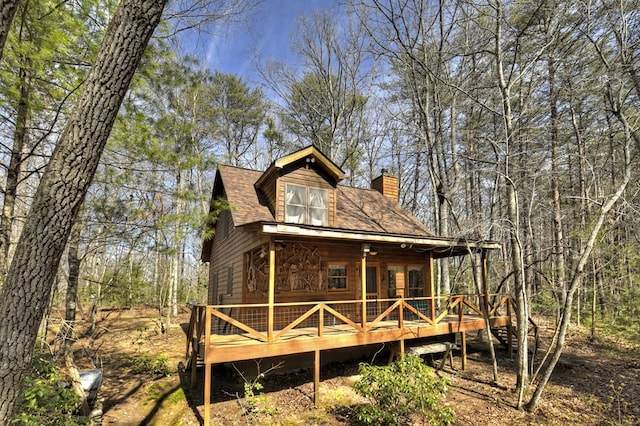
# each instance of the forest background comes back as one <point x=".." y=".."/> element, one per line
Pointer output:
<point x="509" y="121"/>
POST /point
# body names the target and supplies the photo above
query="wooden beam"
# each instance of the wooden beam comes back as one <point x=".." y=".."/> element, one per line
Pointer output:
<point x="316" y="377"/>
<point x="363" y="289"/>
<point x="207" y="393"/>
<point x="461" y="247"/>
<point x="272" y="291"/>
<point x="252" y="349"/>
<point x="432" y="289"/>
<point x="207" y="366"/>
<point x="463" y="349"/>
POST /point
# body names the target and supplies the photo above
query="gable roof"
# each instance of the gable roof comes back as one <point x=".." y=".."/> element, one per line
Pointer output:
<point x="361" y="215"/>
<point x="311" y="153"/>
<point x="357" y="209"/>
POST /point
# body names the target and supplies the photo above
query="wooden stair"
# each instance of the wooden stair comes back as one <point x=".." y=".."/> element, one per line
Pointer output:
<point x="502" y="334"/>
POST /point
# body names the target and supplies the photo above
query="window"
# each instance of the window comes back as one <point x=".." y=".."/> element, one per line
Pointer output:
<point x="337" y="277"/>
<point x="396" y="279"/>
<point x="416" y="281"/>
<point x="306" y="205"/>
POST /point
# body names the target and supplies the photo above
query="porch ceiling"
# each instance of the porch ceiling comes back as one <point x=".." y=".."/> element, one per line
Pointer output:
<point x="440" y="246"/>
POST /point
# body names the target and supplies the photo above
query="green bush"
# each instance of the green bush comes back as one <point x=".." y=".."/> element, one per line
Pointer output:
<point x="401" y="390"/>
<point x="45" y="399"/>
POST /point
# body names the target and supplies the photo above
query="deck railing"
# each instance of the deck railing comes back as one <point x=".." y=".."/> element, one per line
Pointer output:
<point x="320" y="317"/>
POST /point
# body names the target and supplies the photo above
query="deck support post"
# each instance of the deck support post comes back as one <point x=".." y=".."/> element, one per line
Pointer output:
<point x="463" y="349"/>
<point x="272" y="291"/>
<point x="316" y="377"/>
<point x="207" y="365"/>
<point x="207" y="393"/>
<point x="194" y="362"/>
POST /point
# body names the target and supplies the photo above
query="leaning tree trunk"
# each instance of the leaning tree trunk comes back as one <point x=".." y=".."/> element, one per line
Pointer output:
<point x="62" y="191"/>
<point x="578" y="272"/>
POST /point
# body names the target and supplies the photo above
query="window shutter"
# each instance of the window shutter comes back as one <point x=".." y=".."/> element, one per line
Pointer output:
<point x="230" y="279"/>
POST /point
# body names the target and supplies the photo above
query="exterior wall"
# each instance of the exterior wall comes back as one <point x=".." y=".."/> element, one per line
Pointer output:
<point x="302" y="270"/>
<point x="305" y="177"/>
<point x="226" y="263"/>
<point x="269" y="190"/>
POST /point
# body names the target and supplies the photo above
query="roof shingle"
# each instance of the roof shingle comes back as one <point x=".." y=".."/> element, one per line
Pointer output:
<point x="362" y="210"/>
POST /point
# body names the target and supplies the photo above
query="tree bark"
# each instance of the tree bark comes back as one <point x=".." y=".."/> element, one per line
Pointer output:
<point x="13" y="172"/>
<point x="72" y="290"/>
<point x="517" y="260"/>
<point x="7" y="10"/>
<point x="62" y="191"/>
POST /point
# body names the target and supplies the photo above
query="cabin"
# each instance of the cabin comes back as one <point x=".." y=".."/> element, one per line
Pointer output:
<point x="300" y="263"/>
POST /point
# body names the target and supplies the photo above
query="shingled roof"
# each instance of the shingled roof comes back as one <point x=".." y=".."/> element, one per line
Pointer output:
<point x="360" y="210"/>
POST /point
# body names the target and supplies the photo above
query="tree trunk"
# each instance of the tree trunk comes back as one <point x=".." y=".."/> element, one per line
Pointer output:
<point x="13" y="172"/>
<point x="72" y="289"/>
<point x="62" y="190"/>
<point x="579" y="272"/>
<point x="7" y="10"/>
<point x="517" y="261"/>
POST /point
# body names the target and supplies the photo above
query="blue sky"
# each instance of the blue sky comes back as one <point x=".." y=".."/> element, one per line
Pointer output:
<point x="265" y="34"/>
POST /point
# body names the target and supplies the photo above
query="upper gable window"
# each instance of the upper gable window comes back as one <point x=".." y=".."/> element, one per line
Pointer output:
<point x="306" y="205"/>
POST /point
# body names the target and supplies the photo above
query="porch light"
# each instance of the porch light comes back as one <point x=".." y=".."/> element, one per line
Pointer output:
<point x="369" y="249"/>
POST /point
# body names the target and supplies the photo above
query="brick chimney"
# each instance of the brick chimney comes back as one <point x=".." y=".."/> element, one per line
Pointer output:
<point x="386" y="185"/>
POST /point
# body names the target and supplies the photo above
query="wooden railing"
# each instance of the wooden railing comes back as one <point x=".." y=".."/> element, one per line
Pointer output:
<point x="317" y="317"/>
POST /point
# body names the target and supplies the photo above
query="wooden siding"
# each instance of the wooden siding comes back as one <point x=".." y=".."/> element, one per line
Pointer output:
<point x="349" y="254"/>
<point x="227" y="254"/>
<point x="269" y="190"/>
<point x="305" y="177"/>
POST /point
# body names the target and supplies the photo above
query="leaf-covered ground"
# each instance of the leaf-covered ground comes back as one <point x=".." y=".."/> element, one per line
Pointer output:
<point x="596" y="383"/>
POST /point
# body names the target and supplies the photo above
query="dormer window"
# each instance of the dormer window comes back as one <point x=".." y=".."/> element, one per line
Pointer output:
<point x="307" y="205"/>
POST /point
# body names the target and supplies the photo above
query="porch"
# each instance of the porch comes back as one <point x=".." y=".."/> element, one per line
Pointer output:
<point x="228" y="333"/>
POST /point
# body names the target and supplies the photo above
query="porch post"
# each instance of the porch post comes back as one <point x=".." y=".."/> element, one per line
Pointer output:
<point x="432" y="288"/>
<point x="363" y="289"/>
<point x="272" y="285"/>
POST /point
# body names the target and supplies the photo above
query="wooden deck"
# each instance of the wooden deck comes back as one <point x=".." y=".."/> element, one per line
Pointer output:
<point x="216" y="336"/>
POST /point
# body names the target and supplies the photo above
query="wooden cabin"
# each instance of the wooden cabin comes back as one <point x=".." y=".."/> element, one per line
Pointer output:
<point x="299" y="263"/>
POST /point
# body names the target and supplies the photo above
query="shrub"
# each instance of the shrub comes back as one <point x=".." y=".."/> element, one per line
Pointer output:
<point x="45" y="398"/>
<point x="401" y="390"/>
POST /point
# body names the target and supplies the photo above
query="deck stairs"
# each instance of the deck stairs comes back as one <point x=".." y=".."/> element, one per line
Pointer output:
<point x="502" y="334"/>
